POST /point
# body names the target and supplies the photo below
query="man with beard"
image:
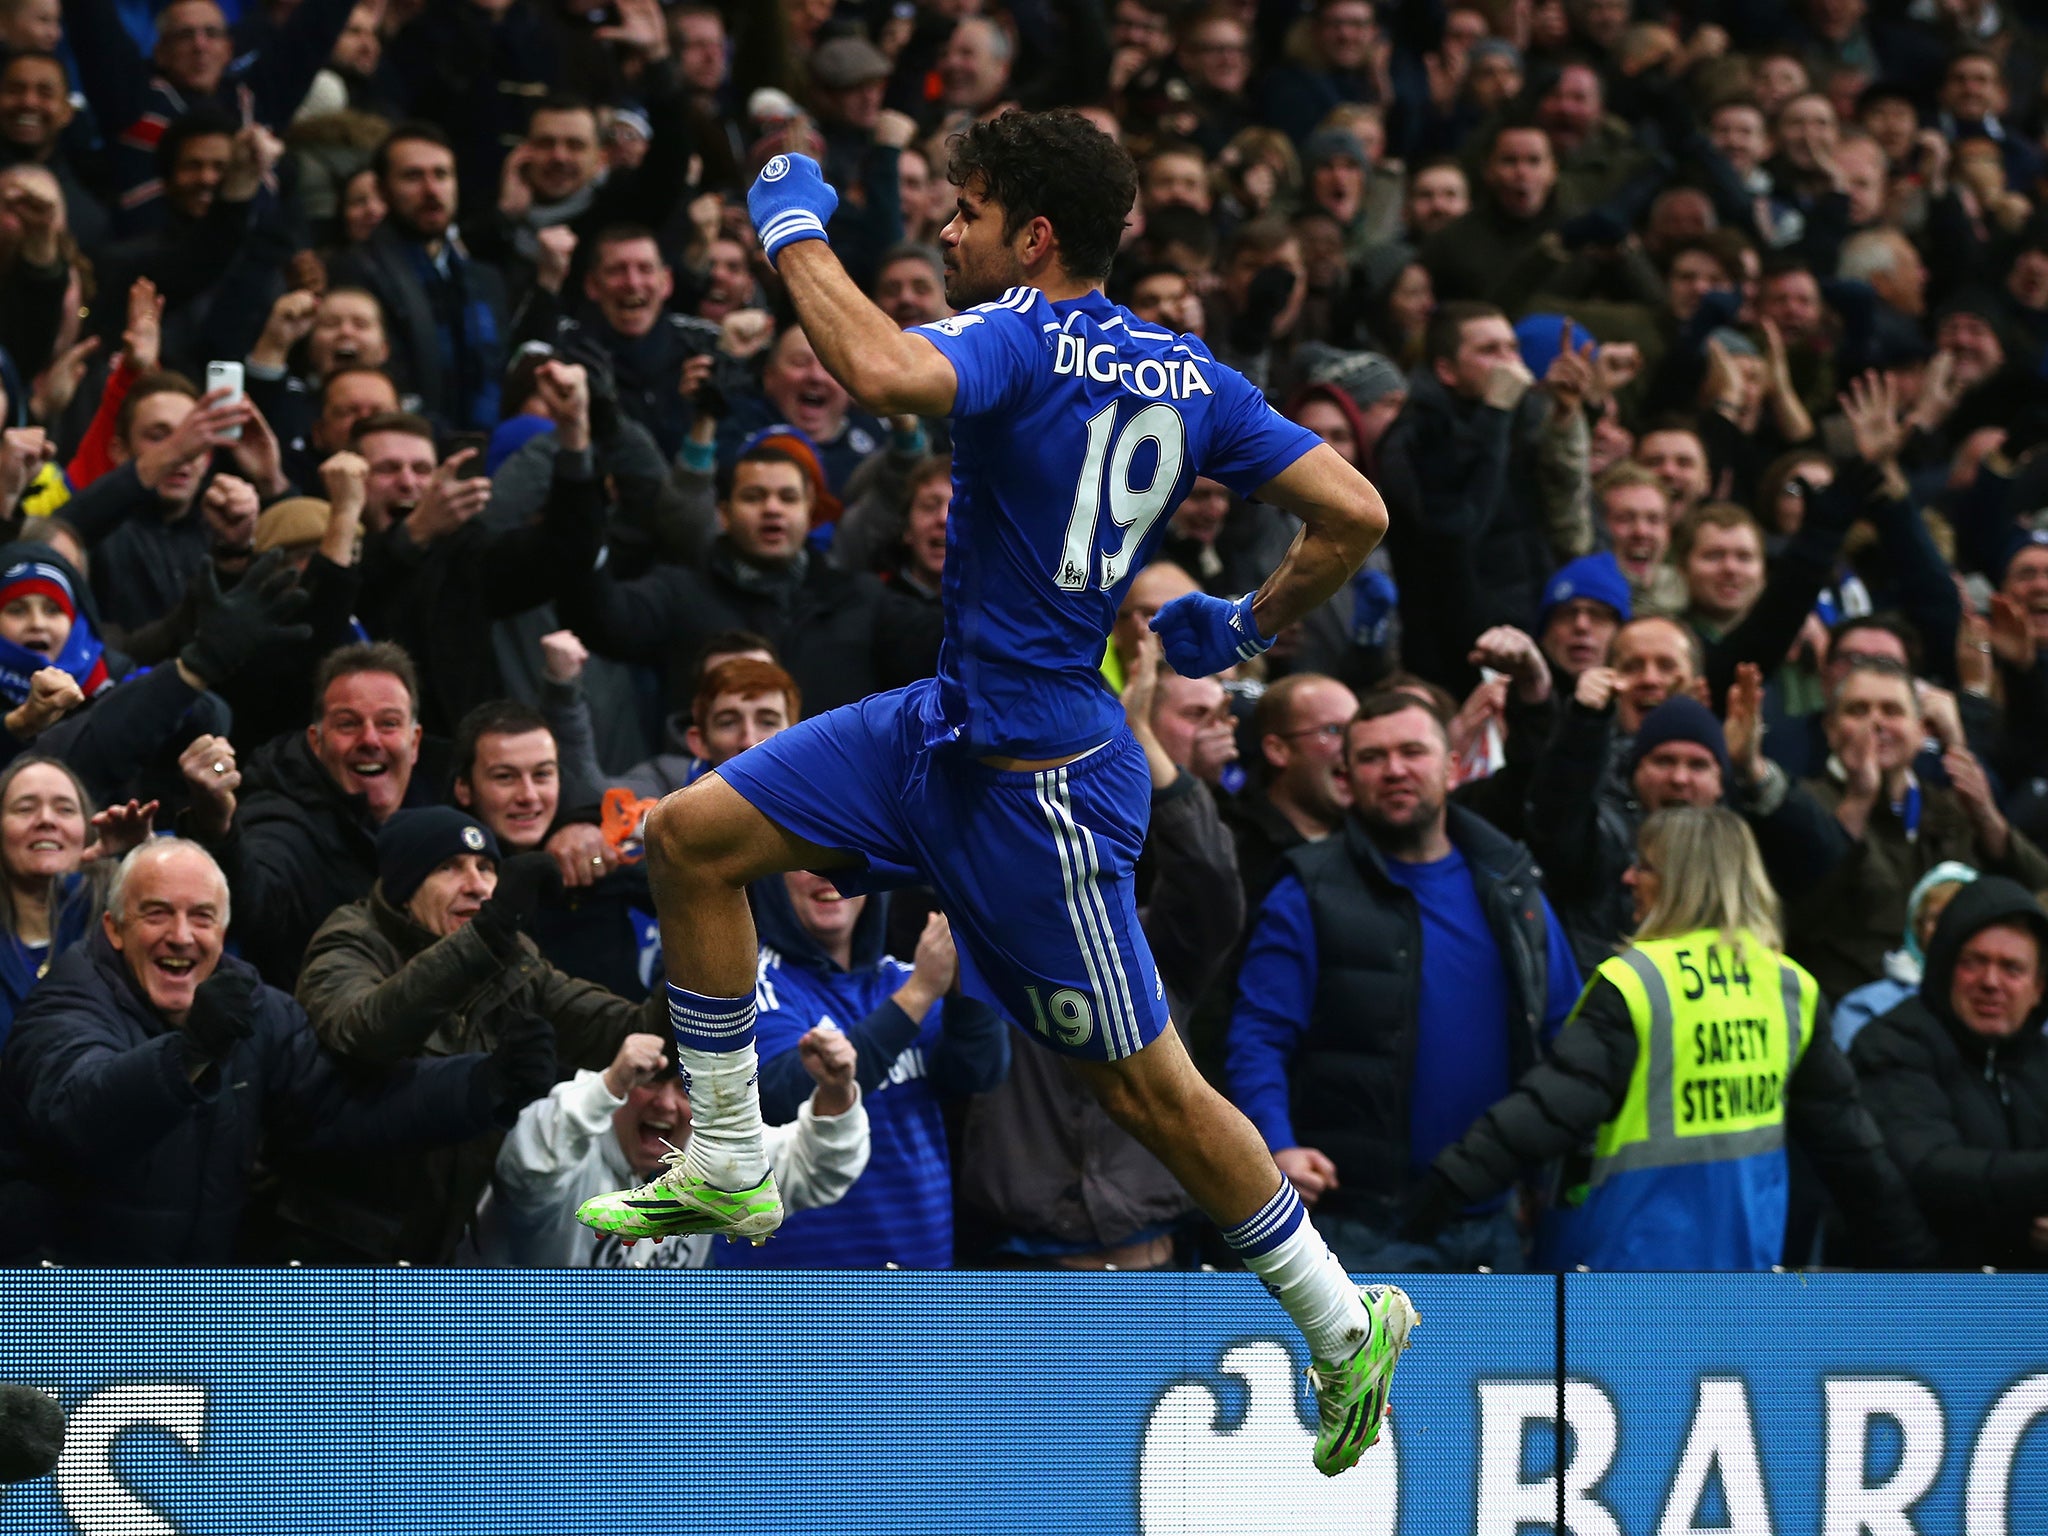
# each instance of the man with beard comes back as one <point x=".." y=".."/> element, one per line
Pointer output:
<point x="446" y="311"/>
<point x="758" y="576"/>
<point x="1409" y="962"/>
<point x="556" y="183"/>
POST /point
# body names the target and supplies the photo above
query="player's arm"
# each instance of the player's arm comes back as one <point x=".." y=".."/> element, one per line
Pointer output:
<point x="887" y="371"/>
<point x="1342" y="520"/>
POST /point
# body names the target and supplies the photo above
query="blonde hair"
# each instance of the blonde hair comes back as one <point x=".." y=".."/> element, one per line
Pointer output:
<point x="1709" y="875"/>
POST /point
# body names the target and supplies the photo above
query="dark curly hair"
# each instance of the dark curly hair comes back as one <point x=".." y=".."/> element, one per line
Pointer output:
<point x="1057" y="165"/>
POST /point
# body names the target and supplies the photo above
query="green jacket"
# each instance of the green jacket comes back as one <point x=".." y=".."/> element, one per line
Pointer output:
<point x="1841" y="927"/>
<point x="381" y="990"/>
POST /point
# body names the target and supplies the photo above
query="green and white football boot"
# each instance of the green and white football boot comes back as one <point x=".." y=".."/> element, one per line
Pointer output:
<point x="678" y="1202"/>
<point x="1351" y="1397"/>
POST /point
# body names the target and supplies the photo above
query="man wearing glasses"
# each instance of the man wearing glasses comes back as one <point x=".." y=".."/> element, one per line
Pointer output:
<point x="1297" y="794"/>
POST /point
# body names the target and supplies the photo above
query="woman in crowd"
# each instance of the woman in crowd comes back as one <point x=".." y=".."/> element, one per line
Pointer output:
<point x="54" y="851"/>
<point x="1689" y="1057"/>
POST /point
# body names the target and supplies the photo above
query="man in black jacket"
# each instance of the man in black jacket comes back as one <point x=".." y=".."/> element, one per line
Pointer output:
<point x="1402" y="973"/>
<point x="836" y="631"/>
<point x="304" y="840"/>
<point x="1957" y="1079"/>
<point x="647" y="345"/>
<point x="153" y="519"/>
<point x="445" y="312"/>
<point x="556" y="179"/>
<point x="1485" y="478"/>
<point x="435" y="575"/>
<point x="144" y="1077"/>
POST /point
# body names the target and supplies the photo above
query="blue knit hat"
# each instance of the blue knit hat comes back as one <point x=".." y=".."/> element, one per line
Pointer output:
<point x="1679" y="718"/>
<point x="1593" y="576"/>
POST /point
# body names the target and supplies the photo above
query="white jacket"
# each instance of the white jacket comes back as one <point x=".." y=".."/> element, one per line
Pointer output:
<point x="563" y="1151"/>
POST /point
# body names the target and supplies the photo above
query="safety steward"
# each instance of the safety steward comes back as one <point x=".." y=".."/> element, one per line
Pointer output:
<point x="1673" y="1084"/>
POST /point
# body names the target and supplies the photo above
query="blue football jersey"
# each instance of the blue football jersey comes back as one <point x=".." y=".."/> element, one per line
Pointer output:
<point x="1078" y="429"/>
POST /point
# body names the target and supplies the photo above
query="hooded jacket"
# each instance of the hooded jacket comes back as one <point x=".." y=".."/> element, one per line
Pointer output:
<point x="111" y="1152"/>
<point x="900" y="1211"/>
<point x="1966" y="1115"/>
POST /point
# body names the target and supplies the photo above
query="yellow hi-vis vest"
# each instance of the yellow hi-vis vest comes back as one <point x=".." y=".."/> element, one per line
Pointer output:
<point x="1720" y="1026"/>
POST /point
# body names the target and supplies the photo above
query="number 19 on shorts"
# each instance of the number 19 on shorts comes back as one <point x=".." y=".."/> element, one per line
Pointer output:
<point x="1066" y="1017"/>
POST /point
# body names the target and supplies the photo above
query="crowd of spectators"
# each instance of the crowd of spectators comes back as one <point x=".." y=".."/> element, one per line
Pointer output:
<point x="1700" y="351"/>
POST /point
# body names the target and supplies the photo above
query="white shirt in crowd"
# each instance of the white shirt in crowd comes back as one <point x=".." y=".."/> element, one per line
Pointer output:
<point x="563" y="1151"/>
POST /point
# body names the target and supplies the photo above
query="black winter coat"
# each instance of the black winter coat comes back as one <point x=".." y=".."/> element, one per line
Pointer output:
<point x="838" y="632"/>
<point x="439" y="602"/>
<point x="1965" y="1116"/>
<point x="111" y="1153"/>
<point x="299" y="847"/>
<point x="1460" y="485"/>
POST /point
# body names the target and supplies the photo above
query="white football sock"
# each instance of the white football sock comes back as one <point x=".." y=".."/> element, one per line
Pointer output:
<point x="1279" y="1245"/>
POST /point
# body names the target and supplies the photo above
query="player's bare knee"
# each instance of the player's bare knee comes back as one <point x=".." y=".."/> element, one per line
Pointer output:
<point x="684" y="842"/>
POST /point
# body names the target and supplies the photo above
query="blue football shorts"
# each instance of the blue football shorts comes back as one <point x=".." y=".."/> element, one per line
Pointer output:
<point x="1035" y="870"/>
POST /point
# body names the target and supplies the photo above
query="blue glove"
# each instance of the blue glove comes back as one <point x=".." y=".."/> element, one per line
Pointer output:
<point x="1373" y="600"/>
<point x="790" y="201"/>
<point x="1205" y="634"/>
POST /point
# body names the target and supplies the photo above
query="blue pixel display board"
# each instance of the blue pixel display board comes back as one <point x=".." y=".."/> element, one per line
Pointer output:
<point x="628" y="1402"/>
